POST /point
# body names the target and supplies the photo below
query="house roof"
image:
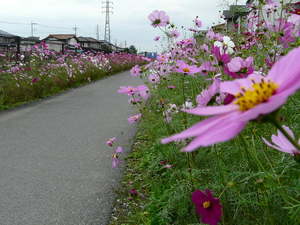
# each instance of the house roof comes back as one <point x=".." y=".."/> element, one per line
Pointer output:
<point x="6" y="34"/>
<point x="31" y="39"/>
<point x="235" y="11"/>
<point x="62" y="36"/>
<point x="87" y="39"/>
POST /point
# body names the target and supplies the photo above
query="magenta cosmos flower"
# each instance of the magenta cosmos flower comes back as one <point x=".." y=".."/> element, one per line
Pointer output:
<point x="159" y="18"/>
<point x="185" y="68"/>
<point x="253" y="96"/>
<point x="207" y="207"/>
<point x="281" y="143"/>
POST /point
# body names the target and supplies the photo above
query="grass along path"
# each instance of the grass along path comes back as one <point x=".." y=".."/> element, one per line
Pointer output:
<point x="256" y="185"/>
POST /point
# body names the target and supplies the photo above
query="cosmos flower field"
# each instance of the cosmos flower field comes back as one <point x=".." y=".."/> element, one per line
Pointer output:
<point x="40" y="72"/>
<point x="218" y="138"/>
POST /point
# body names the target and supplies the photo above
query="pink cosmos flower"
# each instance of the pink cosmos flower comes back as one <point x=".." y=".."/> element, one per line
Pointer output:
<point x="153" y="78"/>
<point x="281" y="143"/>
<point x="239" y="67"/>
<point x="143" y="91"/>
<point x="254" y="96"/>
<point x="208" y="207"/>
<point x="206" y="67"/>
<point x="198" y="22"/>
<point x="135" y="71"/>
<point x="157" y="38"/>
<point x="111" y="141"/>
<point x="134" y="119"/>
<point x="171" y="87"/>
<point x="271" y="6"/>
<point x="204" y="47"/>
<point x="159" y="18"/>
<point x="174" y="34"/>
<point x="185" y="68"/>
<point x="115" y="157"/>
<point x="129" y="90"/>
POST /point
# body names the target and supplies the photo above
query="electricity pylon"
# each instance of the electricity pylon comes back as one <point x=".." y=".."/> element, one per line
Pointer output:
<point x="107" y="9"/>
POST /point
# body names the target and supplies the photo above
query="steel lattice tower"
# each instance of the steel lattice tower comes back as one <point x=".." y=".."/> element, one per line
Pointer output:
<point x="107" y="9"/>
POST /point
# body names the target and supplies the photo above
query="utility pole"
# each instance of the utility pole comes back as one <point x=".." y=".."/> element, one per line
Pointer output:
<point x="75" y="30"/>
<point x="97" y="34"/>
<point x="107" y="9"/>
<point x="32" y="24"/>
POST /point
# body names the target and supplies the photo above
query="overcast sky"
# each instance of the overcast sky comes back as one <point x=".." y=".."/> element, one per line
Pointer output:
<point x="128" y="22"/>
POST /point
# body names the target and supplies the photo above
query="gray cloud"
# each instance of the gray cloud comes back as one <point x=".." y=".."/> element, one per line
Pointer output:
<point x="129" y="21"/>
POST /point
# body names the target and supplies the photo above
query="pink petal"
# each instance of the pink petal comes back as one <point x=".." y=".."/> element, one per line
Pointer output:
<point x="119" y="149"/>
<point x="216" y="134"/>
<point x="282" y="141"/>
<point x="230" y="87"/>
<point x="289" y="131"/>
<point x="286" y="72"/>
<point x="197" y="129"/>
<point x="271" y="145"/>
<point x="213" y="110"/>
<point x="234" y="87"/>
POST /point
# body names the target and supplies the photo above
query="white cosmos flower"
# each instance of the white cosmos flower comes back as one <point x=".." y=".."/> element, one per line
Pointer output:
<point x="226" y="44"/>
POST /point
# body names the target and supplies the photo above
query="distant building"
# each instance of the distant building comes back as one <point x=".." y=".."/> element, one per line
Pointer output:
<point x="60" y="42"/>
<point x="89" y="43"/>
<point x="235" y="17"/>
<point x="28" y="43"/>
<point x="151" y="55"/>
<point x="9" y="42"/>
<point x="219" y="27"/>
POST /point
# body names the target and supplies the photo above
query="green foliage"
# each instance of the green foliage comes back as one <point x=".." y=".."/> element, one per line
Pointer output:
<point x="17" y="89"/>
<point x="256" y="185"/>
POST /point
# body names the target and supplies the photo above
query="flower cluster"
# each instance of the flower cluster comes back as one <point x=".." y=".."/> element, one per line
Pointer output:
<point x="247" y="74"/>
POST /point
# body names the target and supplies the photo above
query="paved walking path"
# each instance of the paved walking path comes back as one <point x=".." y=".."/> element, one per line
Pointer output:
<point x="54" y="166"/>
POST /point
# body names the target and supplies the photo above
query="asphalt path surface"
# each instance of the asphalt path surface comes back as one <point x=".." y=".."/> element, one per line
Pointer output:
<point x="54" y="166"/>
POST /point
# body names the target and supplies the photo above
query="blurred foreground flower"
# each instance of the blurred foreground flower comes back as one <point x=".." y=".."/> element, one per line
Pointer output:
<point x="207" y="207"/>
<point x="254" y="96"/>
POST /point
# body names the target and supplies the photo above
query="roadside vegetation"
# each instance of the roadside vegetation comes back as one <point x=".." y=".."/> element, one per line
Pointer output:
<point x="40" y="72"/>
<point x="218" y="138"/>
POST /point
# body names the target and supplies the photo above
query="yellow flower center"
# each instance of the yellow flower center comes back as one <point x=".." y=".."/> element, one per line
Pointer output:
<point x="186" y="70"/>
<point x="257" y="94"/>
<point x="206" y="204"/>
